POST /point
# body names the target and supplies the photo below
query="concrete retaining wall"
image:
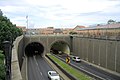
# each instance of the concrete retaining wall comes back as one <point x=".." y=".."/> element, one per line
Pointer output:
<point x="15" y="69"/>
<point x="103" y="53"/>
<point x="20" y="52"/>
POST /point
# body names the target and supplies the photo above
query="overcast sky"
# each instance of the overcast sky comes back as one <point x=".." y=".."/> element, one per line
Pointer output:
<point x="60" y="13"/>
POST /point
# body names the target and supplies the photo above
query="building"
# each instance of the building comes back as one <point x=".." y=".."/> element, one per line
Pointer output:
<point x="22" y="27"/>
<point x="77" y="28"/>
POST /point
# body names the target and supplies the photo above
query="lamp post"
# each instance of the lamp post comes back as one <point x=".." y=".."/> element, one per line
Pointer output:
<point x="7" y="52"/>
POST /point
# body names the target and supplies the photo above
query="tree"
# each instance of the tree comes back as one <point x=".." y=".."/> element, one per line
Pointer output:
<point x="8" y="31"/>
<point x="111" y="21"/>
<point x="1" y="13"/>
<point x="72" y="33"/>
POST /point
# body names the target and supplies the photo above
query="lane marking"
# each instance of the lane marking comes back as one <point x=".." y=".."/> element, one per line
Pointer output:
<point x="82" y="67"/>
<point x="41" y="73"/>
<point x="37" y="66"/>
<point x="26" y="67"/>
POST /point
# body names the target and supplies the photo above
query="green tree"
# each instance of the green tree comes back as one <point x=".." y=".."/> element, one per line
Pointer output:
<point x="72" y="33"/>
<point x="2" y="66"/>
<point x="8" y="31"/>
<point x="1" y="13"/>
<point x="111" y="21"/>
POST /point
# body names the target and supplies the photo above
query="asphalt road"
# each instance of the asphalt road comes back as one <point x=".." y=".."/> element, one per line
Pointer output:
<point x="93" y="70"/>
<point x="37" y="68"/>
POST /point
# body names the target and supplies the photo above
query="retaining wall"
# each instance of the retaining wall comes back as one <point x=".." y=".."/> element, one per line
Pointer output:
<point x="15" y="68"/>
<point x="104" y="53"/>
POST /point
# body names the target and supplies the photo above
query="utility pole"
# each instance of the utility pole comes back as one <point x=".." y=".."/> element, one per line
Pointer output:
<point x="27" y="23"/>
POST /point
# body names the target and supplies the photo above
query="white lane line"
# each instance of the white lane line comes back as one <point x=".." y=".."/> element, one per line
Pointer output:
<point x="37" y="65"/>
<point x="82" y="67"/>
<point x="26" y="67"/>
<point x="41" y="73"/>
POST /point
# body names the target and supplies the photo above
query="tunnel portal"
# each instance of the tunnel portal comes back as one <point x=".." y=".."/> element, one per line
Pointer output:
<point x="34" y="48"/>
<point x="60" y="47"/>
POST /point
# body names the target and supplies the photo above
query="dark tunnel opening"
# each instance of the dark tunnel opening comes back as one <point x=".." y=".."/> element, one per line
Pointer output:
<point x="60" y="48"/>
<point x="34" y="48"/>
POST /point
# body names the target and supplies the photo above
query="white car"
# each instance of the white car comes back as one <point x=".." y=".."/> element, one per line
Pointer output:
<point x="52" y="75"/>
<point x="76" y="58"/>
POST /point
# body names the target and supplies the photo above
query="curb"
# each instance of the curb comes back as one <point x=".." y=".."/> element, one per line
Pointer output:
<point x="67" y="74"/>
<point x="84" y="71"/>
<point x="54" y="67"/>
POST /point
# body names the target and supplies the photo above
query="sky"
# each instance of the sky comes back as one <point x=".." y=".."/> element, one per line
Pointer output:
<point x="60" y="13"/>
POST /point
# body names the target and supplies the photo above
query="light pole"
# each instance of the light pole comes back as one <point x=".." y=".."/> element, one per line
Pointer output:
<point x="7" y="52"/>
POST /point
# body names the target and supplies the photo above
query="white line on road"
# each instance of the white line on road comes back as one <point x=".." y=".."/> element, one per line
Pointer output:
<point x="37" y="65"/>
<point x="81" y="67"/>
<point x="26" y="67"/>
<point x="41" y="73"/>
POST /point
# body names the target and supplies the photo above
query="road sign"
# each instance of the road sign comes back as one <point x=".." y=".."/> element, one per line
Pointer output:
<point x="67" y="60"/>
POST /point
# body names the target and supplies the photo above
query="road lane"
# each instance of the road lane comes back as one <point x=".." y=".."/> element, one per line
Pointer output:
<point x="93" y="70"/>
<point x="37" y="68"/>
<point x="43" y="66"/>
<point x="33" y="71"/>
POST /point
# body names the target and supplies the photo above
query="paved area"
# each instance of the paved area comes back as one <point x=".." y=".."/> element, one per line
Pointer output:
<point x="57" y="69"/>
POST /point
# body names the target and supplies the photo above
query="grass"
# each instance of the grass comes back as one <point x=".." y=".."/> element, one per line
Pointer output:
<point x="79" y="75"/>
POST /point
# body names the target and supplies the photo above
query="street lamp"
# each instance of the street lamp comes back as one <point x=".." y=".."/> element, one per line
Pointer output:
<point x="7" y="52"/>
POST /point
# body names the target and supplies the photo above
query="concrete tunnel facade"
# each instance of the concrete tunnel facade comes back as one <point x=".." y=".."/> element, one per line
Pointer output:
<point x="46" y="43"/>
<point x="37" y="48"/>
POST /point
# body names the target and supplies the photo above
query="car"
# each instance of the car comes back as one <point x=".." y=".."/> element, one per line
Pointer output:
<point x="53" y="75"/>
<point x="76" y="58"/>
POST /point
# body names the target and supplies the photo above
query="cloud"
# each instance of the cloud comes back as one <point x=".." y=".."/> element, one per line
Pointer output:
<point x="60" y="12"/>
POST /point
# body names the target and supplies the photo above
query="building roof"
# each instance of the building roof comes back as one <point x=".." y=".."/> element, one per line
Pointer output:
<point x="57" y="31"/>
<point x="114" y="25"/>
<point x="78" y="27"/>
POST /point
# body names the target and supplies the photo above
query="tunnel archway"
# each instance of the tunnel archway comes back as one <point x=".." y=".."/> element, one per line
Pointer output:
<point x="60" y="47"/>
<point x="34" y="48"/>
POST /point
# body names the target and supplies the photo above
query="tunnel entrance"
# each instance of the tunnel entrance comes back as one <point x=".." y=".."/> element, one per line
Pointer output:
<point x="60" y="47"/>
<point x="34" y="48"/>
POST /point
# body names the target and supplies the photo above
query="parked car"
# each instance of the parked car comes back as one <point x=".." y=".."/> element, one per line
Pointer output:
<point x="53" y="75"/>
<point x="76" y="58"/>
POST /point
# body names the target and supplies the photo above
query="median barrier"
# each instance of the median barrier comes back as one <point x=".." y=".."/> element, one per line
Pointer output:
<point x="67" y="74"/>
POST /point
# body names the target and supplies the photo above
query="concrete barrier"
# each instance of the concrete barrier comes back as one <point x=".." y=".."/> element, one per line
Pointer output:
<point x="65" y="72"/>
<point x="15" y="69"/>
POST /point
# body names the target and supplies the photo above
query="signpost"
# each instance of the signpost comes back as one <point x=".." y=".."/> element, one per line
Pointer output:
<point x="67" y="60"/>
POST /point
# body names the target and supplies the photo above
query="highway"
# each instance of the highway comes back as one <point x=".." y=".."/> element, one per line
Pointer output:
<point x="37" y="68"/>
<point x="103" y="75"/>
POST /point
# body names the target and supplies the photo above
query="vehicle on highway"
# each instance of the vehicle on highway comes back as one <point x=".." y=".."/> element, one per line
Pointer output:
<point x="53" y="75"/>
<point x="76" y="58"/>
